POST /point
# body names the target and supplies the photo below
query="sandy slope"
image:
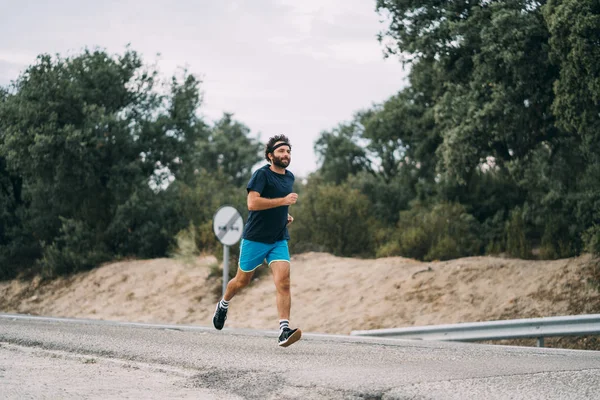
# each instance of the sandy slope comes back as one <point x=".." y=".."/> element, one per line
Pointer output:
<point x="330" y="294"/>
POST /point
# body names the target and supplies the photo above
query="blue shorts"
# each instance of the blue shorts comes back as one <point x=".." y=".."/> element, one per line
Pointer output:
<point x="252" y="254"/>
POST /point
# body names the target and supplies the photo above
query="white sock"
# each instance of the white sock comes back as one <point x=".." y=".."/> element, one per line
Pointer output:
<point x="224" y="304"/>
<point x="283" y="323"/>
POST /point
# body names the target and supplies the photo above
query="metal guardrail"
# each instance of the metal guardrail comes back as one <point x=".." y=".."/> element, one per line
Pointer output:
<point x="573" y="325"/>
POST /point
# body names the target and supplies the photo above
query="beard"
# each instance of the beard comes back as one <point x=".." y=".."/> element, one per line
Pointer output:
<point x="281" y="162"/>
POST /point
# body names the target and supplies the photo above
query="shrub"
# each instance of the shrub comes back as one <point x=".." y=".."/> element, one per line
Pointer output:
<point x="516" y="242"/>
<point x="441" y="232"/>
<point x="560" y="238"/>
<point x="75" y="249"/>
<point x="336" y="219"/>
<point x="445" y="248"/>
<point x="591" y="238"/>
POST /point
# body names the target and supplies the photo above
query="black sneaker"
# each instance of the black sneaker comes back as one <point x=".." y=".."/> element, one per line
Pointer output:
<point x="220" y="316"/>
<point x="289" y="336"/>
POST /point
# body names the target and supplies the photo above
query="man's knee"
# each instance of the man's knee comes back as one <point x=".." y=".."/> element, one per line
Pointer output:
<point x="243" y="278"/>
<point x="283" y="283"/>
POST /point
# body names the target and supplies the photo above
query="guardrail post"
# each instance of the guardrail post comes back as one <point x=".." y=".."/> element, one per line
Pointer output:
<point x="540" y="341"/>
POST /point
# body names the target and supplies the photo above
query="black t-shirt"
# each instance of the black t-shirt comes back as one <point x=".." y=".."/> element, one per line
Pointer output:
<point x="269" y="226"/>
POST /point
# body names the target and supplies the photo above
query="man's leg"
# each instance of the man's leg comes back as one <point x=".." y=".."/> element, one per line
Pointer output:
<point x="281" y="277"/>
<point x="252" y="255"/>
<point x="239" y="281"/>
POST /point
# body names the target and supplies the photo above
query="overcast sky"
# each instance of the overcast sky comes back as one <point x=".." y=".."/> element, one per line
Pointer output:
<point x="281" y="66"/>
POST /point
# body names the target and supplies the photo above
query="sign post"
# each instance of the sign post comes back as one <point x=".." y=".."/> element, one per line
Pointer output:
<point x="228" y="226"/>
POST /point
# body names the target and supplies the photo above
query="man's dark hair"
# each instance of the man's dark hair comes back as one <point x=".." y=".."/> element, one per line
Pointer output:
<point x="271" y="143"/>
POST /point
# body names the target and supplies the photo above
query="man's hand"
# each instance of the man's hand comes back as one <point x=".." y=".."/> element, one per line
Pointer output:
<point x="290" y="199"/>
<point x="290" y="219"/>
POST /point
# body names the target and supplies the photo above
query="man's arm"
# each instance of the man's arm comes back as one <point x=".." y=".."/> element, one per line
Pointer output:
<point x="257" y="203"/>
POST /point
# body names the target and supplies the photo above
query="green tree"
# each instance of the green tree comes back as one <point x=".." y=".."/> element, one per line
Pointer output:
<point x="574" y="27"/>
<point x="398" y="136"/>
<point x="340" y="153"/>
<point x="230" y="150"/>
<point x="401" y="140"/>
<point x="492" y="67"/>
<point x="493" y="64"/>
<point x="86" y="135"/>
<point x="17" y="249"/>
<point x="386" y="199"/>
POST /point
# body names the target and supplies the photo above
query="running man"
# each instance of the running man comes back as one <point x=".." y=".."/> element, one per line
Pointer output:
<point x="266" y="235"/>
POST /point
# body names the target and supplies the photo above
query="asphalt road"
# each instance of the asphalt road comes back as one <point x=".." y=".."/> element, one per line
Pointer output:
<point x="82" y="359"/>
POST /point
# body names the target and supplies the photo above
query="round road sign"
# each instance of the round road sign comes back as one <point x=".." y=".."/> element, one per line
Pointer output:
<point x="228" y="225"/>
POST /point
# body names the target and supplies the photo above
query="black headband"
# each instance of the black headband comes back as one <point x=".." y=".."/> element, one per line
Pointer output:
<point x="272" y="149"/>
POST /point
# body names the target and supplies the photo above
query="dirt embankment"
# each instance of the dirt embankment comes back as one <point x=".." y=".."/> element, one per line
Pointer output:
<point x="329" y="294"/>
